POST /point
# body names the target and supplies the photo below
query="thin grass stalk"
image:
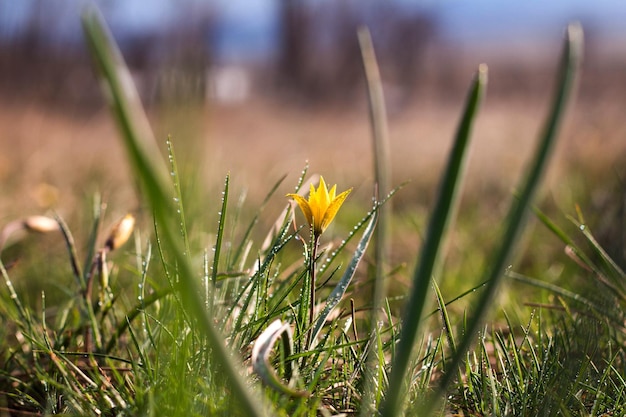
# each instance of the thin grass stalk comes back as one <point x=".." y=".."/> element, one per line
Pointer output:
<point x="307" y="301"/>
<point x="494" y="275"/>
<point x="178" y="195"/>
<point x="442" y="215"/>
<point x="217" y="249"/>
<point x="71" y="249"/>
<point x="23" y="313"/>
<point x="382" y="178"/>
<point x="93" y="236"/>
<point x="382" y="170"/>
<point x="151" y="171"/>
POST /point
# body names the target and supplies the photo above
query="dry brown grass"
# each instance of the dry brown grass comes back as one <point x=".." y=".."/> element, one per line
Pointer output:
<point x="51" y="158"/>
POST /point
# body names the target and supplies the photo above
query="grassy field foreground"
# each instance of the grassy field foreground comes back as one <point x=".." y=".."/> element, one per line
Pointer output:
<point x="413" y="301"/>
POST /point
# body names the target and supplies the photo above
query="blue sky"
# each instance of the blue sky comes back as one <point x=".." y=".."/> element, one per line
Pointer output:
<point x="252" y="23"/>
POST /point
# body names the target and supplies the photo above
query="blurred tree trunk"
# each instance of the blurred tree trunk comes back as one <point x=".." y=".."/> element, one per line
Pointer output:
<point x="294" y="45"/>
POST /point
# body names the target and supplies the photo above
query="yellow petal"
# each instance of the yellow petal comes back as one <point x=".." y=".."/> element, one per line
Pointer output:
<point x="322" y="193"/>
<point x="332" y="192"/>
<point x="333" y="208"/>
<point x="304" y="206"/>
<point x="317" y="205"/>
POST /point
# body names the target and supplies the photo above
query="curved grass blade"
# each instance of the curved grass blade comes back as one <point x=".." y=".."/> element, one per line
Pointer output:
<point x="519" y="208"/>
<point x="443" y="213"/>
<point x="337" y="294"/>
<point x="151" y="171"/>
<point x="261" y="357"/>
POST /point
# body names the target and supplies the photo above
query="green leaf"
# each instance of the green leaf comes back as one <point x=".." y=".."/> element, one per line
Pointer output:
<point x="151" y="172"/>
<point x="443" y="213"/>
<point x="519" y="208"/>
<point x="340" y="289"/>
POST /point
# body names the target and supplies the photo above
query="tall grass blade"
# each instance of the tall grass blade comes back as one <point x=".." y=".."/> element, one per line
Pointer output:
<point x="441" y="218"/>
<point x="178" y="195"/>
<point x="220" y="232"/>
<point x="152" y="174"/>
<point x="382" y="166"/>
<point x="93" y="236"/>
<point x="340" y="289"/>
<point x="517" y="214"/>
<point x="71" y="249"/>
<point x="382" y="178"/>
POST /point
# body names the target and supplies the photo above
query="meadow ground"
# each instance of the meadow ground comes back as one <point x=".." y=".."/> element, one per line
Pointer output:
<point x="52" y="157"/>
<point x="58" y="158"/>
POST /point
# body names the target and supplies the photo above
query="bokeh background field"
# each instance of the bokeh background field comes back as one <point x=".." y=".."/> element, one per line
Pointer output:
<point x="260" y="111"/>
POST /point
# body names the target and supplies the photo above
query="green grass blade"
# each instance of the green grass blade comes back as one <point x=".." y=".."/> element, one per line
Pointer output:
<point x="178" y="195"/>
<point x="24" y="317"/>
<point x="152" y="174"/>
<point x="220" y="232"/>
<point x="445" y="318"/>
<point x="93" y="236"/>
<point x="71" y="249"/>
<point x="340" y="289"/>
<point x="241" y="248"/>
<point x="382" y="166"/>
<point x="517" y="214"/>
<point x="382" y="178"/>
<point x="441" y="218"/>
<point x="614" y="270"/>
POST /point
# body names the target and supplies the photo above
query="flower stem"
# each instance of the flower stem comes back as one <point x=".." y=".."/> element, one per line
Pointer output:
<point x="312" y="273"/>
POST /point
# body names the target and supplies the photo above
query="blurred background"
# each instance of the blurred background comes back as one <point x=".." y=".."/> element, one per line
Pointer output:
<point x="259" y="87"/>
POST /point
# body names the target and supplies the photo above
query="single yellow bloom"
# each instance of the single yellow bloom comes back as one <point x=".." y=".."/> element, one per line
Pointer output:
<point x="322" y="206"/>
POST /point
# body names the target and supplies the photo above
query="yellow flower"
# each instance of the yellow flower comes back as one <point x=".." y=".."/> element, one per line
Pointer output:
<point x="321" y="207"/>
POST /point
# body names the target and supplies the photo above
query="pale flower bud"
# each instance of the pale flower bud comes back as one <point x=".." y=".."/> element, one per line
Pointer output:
<point x="41" y="224"/>
<point x="120" y="232"/>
